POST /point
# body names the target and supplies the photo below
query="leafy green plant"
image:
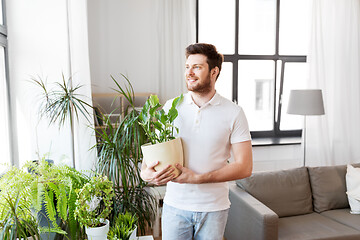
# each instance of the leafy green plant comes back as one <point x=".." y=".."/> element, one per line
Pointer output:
<point x="119" y="158"/>
<point x="94" y="202"/>
<point x="157" y="124"/>
<point x="53" y="188"/>
<point x="122" y="227"/>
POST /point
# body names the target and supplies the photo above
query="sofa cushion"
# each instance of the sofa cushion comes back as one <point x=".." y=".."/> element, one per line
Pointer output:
<point x="343" y="216"/>
<point x="328" y="187"/>
<point x="352" y="179"/>
<point x="286" y="192"/>
<point x="314" y="226"/>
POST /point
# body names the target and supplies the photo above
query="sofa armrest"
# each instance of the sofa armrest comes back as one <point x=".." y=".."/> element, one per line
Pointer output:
<point x="249" y="218"/>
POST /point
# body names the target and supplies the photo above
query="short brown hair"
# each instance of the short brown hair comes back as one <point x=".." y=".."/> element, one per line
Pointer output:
<point x="214" y="58"/>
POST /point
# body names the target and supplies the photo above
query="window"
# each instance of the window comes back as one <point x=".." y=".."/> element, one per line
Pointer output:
<point x="4" y="93"/>
<point x="264" y="43"/>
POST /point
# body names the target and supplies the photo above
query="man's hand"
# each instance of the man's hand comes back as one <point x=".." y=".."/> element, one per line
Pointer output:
<point x="186" y="175"/>
<point x="149" y="174"/>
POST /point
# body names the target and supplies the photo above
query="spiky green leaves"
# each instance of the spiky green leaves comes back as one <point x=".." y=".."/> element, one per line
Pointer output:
<point x="62" y="102"/>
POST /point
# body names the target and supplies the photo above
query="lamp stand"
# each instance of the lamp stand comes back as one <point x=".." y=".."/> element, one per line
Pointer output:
<point x="304" y="141"/>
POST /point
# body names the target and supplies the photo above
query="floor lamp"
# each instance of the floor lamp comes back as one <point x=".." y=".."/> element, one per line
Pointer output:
<point x="306" y="102"/>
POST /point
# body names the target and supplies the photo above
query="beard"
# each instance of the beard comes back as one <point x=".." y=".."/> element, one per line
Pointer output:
<point x="200" y="86"/>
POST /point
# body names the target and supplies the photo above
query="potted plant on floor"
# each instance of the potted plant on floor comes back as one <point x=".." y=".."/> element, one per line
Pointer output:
<point x="123" y="227"/>
<point x="119" y="158"/>
<point x="63" y="103"/>
<point x="17" y="220"/>
<point x="159" y="127"/>
<point x="93" y="206"/>
<point x="53" y="193"/>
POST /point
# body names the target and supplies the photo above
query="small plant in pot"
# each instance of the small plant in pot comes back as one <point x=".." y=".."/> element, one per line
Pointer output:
<point x="123" y="227"/>
<point x="158" y="126"/>
<point x="93" y="206"/>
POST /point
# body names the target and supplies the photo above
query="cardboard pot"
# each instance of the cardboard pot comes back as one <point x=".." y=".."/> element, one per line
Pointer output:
<point x="170" y="152"/>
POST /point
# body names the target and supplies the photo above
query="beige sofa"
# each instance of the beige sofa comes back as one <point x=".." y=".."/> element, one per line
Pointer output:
<point x="300" y="203"/>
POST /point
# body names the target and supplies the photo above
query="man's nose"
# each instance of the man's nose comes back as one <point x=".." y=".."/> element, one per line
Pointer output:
<point x="190" y="72"/>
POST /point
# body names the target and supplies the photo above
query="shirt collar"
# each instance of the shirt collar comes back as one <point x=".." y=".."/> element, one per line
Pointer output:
<point x="215" y="100"/>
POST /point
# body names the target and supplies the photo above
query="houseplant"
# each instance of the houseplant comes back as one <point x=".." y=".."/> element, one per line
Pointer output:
<point x="119" y="158"/>
<point x="53" y="193"/>
<point x="123" y="227"/>
<point x="158" y="126"/>
<point x="17" y="220"/>
<point x="93" y="206"/>
<point x="62" y="103"/>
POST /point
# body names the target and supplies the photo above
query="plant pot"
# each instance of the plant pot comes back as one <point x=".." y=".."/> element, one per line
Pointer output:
<point x="98" y="233"/>
<point x="170" y="152"/>
<point x="133" y="234"/>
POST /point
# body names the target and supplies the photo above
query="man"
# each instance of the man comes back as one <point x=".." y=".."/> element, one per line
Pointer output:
<point x="196" y="203"/>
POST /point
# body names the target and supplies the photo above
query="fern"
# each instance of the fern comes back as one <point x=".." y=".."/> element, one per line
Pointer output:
<point x="49" y="207"/>
<point x="73" y="224"/>
<point x="62" y="203"/>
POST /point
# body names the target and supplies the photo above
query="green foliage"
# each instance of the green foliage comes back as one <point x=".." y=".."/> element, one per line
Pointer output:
<point x="94" y="202"/>
<point x="157" y="124"/>
<point x="17" y="220"/>
<point x="122" y="227"/>
<point x="120" y="158"/>
<point x="54" y="187"/>
<point x="62" y="102"/>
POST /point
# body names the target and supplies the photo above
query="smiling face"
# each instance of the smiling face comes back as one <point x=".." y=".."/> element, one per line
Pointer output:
<point x="198" y="77"/>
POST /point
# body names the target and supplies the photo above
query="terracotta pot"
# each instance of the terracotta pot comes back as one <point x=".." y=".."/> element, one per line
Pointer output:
<point x="98" y="233"/>
<point x="170" y="152"/>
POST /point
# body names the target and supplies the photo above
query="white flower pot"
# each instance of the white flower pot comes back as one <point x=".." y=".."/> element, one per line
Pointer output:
<point x="133" y="234"/>
<point x="170" y="152"/>
<point x="98" y="233"/>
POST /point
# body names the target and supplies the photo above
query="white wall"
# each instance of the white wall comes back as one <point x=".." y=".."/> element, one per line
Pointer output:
<point x="122" y="39"/>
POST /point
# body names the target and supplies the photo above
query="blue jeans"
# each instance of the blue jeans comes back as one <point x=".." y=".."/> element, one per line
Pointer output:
<point x="179" y="224"/>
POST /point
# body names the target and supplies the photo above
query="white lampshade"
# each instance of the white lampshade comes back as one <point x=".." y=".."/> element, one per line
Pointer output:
<point x="306" y="102"/>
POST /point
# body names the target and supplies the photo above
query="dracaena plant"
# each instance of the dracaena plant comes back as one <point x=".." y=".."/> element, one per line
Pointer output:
<point x="158" y="125"/>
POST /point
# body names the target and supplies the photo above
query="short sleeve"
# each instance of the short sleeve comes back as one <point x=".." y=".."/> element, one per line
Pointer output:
<point x="240" y="130"/>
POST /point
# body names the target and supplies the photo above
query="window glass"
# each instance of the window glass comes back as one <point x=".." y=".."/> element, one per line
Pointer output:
<point x="4" y="125"/>
<point x="295" y="77"/>
<point x="255" y="92"/>
<point x="224" y="82"/>
<point x="257" y="24"/>
<point x="1" y="13"/>
<point x="294" y="27"/>
<point x="217" y="24"/>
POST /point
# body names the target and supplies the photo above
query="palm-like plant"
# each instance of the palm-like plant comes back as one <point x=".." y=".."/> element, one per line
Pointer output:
<point x="63" y="104"/>
<point x="120" y="157"/>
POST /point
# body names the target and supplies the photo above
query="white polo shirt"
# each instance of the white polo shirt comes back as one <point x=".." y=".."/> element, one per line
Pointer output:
<point x="207" y="134"/>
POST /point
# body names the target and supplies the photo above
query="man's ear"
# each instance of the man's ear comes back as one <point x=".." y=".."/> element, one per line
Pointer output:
<point x="214" y="72"/>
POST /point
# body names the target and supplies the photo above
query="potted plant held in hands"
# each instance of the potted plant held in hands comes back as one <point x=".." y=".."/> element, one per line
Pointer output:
<point x="93" y="206"/>
<point x="158" y="126"/>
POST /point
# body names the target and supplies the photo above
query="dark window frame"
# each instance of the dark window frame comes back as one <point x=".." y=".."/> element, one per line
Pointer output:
<point x="234" y="59"/>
